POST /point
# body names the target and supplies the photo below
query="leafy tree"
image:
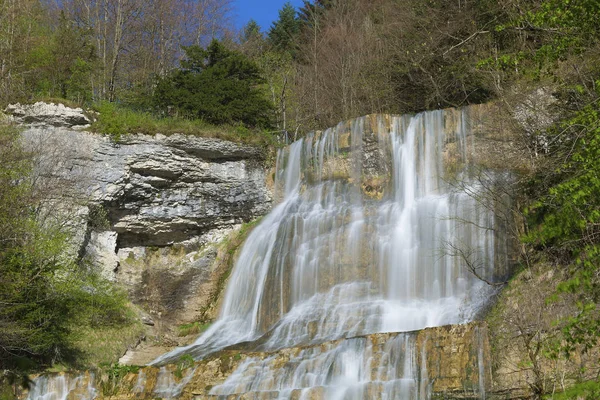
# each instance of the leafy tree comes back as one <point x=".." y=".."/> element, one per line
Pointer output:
<point x="73" y="56"/>
<point x="44" y="294"/>
<point x="565" y="219"/>
<point x="279" y="71"/>
<point x="218" y="85"/>
<point x="564" y="216"/>
<point x="284" y="32"/>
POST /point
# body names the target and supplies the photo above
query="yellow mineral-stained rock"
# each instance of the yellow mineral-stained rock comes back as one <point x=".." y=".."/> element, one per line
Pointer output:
<point x="444" y="355"/>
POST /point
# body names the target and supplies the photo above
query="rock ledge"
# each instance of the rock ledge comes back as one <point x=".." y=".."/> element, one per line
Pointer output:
<point x="48" y="114"/>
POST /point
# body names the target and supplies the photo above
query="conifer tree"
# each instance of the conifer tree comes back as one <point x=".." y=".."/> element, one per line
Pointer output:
<point x="284" y="32"/>
<point x="218" y="85"/>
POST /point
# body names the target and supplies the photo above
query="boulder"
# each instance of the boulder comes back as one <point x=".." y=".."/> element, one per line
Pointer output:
<point x="48" y="114"/>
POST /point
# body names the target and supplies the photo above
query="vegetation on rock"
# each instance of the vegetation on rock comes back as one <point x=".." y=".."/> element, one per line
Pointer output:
<point x="46" y="297"/>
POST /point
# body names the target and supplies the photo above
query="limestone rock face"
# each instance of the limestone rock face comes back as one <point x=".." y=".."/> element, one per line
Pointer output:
<point x="157" y="191"/>
<point x="49" y="114"/>
<point x="149" y="211"/>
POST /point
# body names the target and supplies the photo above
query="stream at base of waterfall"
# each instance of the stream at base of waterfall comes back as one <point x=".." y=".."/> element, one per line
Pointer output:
<point x="359" y="244"/>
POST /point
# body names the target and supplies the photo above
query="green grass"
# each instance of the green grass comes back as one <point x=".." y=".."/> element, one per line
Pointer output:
<point x="105" y="345"/>
<point x="589" y="390"/>
<point x="6" y="392"/>
<point x="116" y="121"/>
<point x="195" y="328"/>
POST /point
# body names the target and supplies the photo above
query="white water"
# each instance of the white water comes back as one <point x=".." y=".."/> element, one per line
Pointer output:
<point x="329" y="262"/>
<point x="333" y="262"/>
<point x="167" y="387"/>
<point x="355" y="369"/>
<point x="59" y="387"/>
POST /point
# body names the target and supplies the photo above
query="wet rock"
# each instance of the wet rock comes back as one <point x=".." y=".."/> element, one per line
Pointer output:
<point x="442" y="357"/>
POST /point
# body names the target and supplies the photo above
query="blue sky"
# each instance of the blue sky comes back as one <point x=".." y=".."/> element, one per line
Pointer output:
<point x="262" y="11"/>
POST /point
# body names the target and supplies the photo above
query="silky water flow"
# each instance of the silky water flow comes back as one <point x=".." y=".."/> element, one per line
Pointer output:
<point x="331" y="262"/>
<point x="357" y="245"/>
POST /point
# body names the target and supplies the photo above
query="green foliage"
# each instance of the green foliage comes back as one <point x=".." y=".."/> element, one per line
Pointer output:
<point x="117" y="121"/>
<point x="570" y="24"/>
<point x="589" y="390"/>
<point x="185" y="361"/>
<point x="71" y="61"/>
<point x="98" y="218"/>
<point x="278" y="70"/>
<point x="195" y="328"/>
<point x="556" y="29"/>
<point x="112" y="377"/>
<point x="251" y="31"/>
<point x="311" y="12"/>
<point x="284" y="32"/>
<point x="556" y="42"/>
<point x="218" y="85"/>
<point x="44" y="294"/>
<point x="568" y="214"/>
<point x="564" y="218"/>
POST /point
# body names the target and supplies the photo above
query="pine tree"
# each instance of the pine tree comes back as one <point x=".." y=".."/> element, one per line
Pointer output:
<point x="284" y="32"/>
<point x="251" y="31"/>
<point x="252" y="40"/>
<point x="311" y="12"/>
<point x="217" y="85"/>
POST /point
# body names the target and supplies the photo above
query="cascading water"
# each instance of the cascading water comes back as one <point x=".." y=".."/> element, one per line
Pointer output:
<point x="354" y="248"/>
<point x="62" y="386"/>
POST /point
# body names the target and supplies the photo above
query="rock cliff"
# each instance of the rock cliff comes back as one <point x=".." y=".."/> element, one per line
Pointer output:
<point x="149" y="211"/>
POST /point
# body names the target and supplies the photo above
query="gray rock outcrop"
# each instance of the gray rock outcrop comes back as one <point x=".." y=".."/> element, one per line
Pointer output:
<point x="48" y="114"/>
<point x="157" y="191"/>
<point x="148" y="212"/>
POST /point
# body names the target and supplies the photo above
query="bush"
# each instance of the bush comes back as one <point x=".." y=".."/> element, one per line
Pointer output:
<point x="218" y="85"/>
<point x="582" y="391"/>
<point x="43" y="294"/>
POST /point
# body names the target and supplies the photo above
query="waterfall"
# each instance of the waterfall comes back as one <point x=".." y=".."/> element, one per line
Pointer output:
<point x="62" y="387"/>
<point x="331" y="261"/>
<point x="331" y="286"/>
